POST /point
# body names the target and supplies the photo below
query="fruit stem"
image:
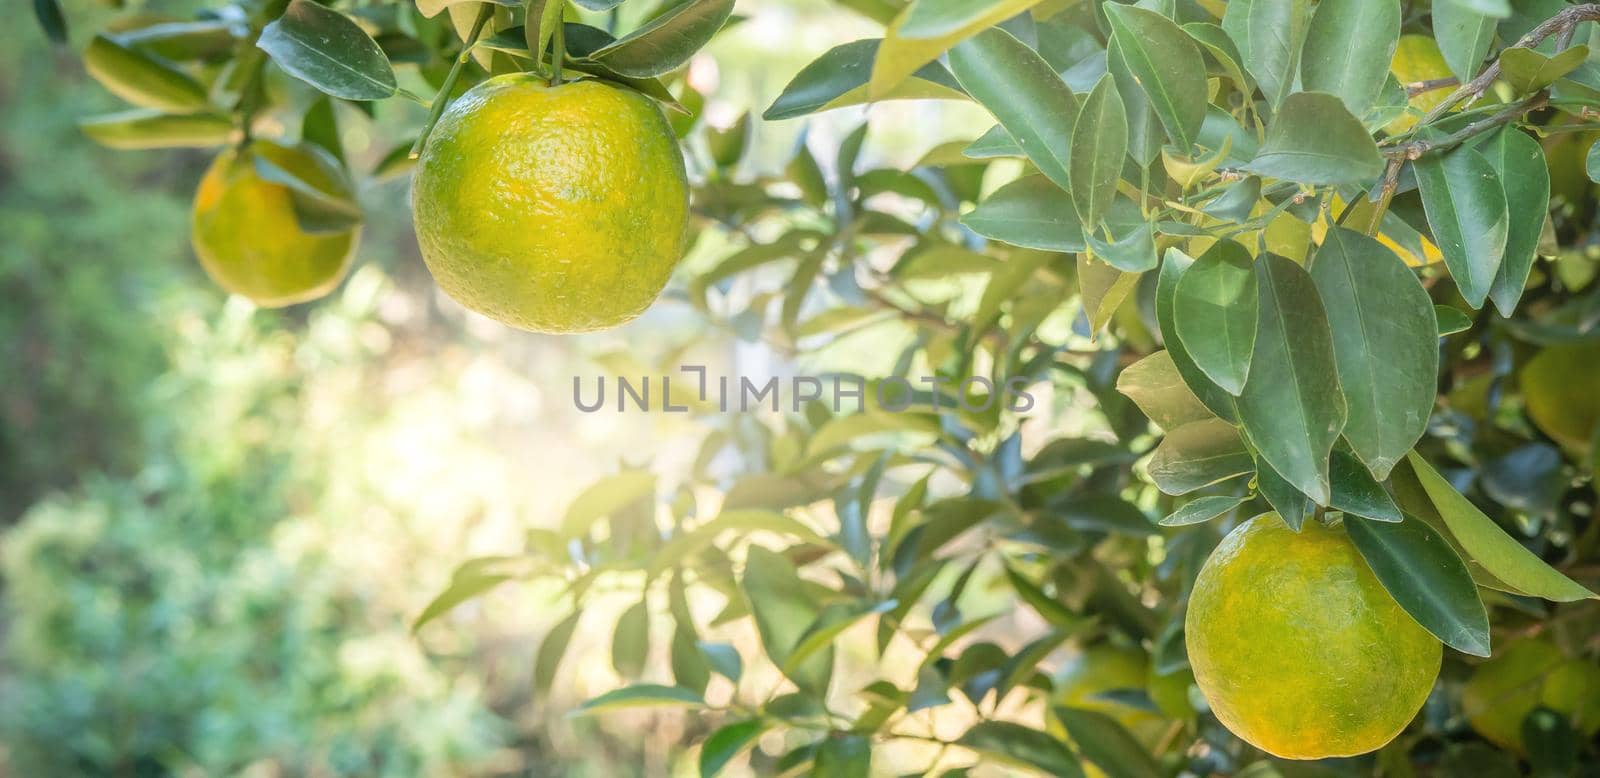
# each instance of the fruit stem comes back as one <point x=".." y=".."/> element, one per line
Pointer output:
<point x="558" y="45"/>
<point x="442" y="99"/>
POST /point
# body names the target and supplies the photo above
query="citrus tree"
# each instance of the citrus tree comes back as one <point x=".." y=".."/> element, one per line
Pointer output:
<point x="1256" y="418"/>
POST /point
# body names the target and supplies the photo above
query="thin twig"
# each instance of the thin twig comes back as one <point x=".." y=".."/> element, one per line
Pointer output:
<point x="1423" y="87"/>
<point x="443" y="98"/>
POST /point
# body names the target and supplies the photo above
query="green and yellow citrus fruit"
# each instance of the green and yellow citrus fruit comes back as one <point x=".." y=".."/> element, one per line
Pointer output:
<point x="1085" y="679"/>
<point x="1528" y="674"/>
<point x="552" y="209"/>
<point x="248" y="238"/>
<point x="1298" y="647"/>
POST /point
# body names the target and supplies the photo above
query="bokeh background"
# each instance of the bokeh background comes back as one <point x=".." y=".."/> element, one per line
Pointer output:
<point x="217" y="523"/>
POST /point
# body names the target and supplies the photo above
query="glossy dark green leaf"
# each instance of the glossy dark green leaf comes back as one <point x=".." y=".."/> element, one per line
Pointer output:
<point x="1202" y="509"/>
<point x="1275" y="32"/>
<point x="1464" y="34"/>
<point x="1173" y="266"/>
<point x="1016" y="744"/>
<point x="151" y="129"/>
<point x="727" y="743"/>
<point x="993" y="144"/>
<point x="1292" y="505"/>
<point x="1025" y="95"/>
<point x="1519" y="161"/>
<point x="1427" y="578"/>
<point x="1385" y="342"/>
<point x="1131" y="249"/>
<point x="1314" y="139"/>
<point x="1356" y="492"/>
<point x="1145" y="136"/>
<point x="1107" y="745"/>
<point x="1466" y="207"/>
<point x="329" y="51"/>
<point x="1216" y="42"/>
<point x="839" y="78"/>
<point x="1031" y="212"/>
<point x="1215" y="310"/>
<point x="1198" y="455"/>
<point x="1168" y="66"/>
<point x="1099" y="145"/>
<point x="1348" y="49"/>
<point x="643" y="695"/>
<point x="783" y="612"/>
<point x="667" y="41"/>
<point x="1451" y="320"/>
<point x="1292" y="406"/>
<point x="1487" y="544"/>
<point x="142" y="79"/>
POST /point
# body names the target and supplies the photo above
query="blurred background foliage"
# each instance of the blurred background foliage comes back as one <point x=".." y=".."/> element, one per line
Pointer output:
<point x="216" y="523"/>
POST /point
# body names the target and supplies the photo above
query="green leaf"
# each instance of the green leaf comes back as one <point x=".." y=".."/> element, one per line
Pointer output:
<point x="327" y="50"/>
<point x="740" y="521"/>
<point x="471" y="580"/>
<point x="839" y="78"/>
<point x="830" y="624"/>
<point x="935" y="26"/>
<point x="1356" y="492"/>
<point x="843" y="755"/>
<point x="1024" y="746"/>
<point x="1221" y="48"/>
<point x="145" y="128"/>
<point x="1145" y="136"/>
<point x="1385" y="343"/>
<point x="1529" y="71"/>
<point x="993" y="144"/>
<point x="1168" y="66"/>
<point x="1348" y="49"/>
<point x="1292" y="407"/>
<point x="1103" y="513"/>
<point x="1099" y="145"/>
<point x="1024" y="94"/>
<point x="1198" y="455"/>
<point x="1292" y="505"/>
<point x="723" y="659"/>
<point x="1467" y="210"/>
<point x="1451" y="320"/>
<point x="667" y="41"/>
<point x="1212" y="396"/>
<point x="1154" y="384"/>
<point x="727" y="743"/>
<point x="1592" y="162"/>
<point x="1133" y="252"/>
<point x="1215" y="310"/>
<point x="1105" y="743"/>
<point x="630" y="642"/>
<point x="1031" y="212"/>
<point x="551" y="650"/>
<point x="142" y="79"/>
<point x="1314" y="139"/>
<point x="784" y="610"/>
<point x="1103" y="289"/>
<point x="51" y="20"/>
<point x="1202" y="509"/>
<point x="1275" y="33"/>
<point x="1484" y="542"/>
<point x="644" y="695"/>
<point x="1046" y="606"/>
<point x="1520" y="163"/>
<point x="605" y="497"/>
<point x="1464" y="36"/>
<point x="318" y="209"/>
<point x="1420" y="570"/>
